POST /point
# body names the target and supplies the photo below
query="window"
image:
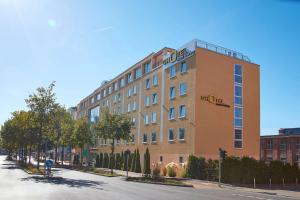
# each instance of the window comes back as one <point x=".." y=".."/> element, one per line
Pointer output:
<point x="182" y="89"/>
<point x="134" y="105"/>
<point x="138" y="73"/>
<point x="98" y="97"/>
<point x="132" y="138"/>
<point x="238" y="70"/>
<point x="133" y="122"/>
<point x="181" y="161"/>
<point x="129" y="78"/>
<point x="282" y="144"/>
<point x="172" y="92"/>
<point x="153" y="117"/>
<point x="238" y="112"/>
<point x="115" y="98"/>
<point x="238" y="101"/>
<point x="147" y="67"/>
<point x="122" y="83"/>
<point x="92" y="100"/>
<point x="145" y="139"/>
<point x="94" y="114"/>
<point x="146" y="119"/>
<point x="104" y="93"/>
<point x="269" y="144"/>
<point x="181" y="135"/>
<point x="147" y="83"/>
<point x="238" y="91"/>
<point x="115" y="86"/>
<point x="128" y="92"/>
<point x="153" y="137"/>
<point x="161" y="159"/>
<point x="238" y="122"/>
<point x="172" y="71"/>
<point x="171" y="113"/>
<point x="182" y="111"/>
<point x="238" y="79"/>
<point x="298" y="158"/>
<point x="238" y="138"/>
<point x="119" y="97"/>
<point x="128" y="107"/>
<point x="109" y="90"/>
<point x="147" y="101"/>
<point x="134" y="89"/>
<point x="154" y="98"/>
<point x="171" y="135"/>
<point x="155" y="80"/>
<point x="298" y="144"/>
<point x="183" y="67"/>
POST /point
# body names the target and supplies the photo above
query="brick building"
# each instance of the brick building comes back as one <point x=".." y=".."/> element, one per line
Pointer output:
<point x="193" y="100"/>
<point x="284" y="147"/>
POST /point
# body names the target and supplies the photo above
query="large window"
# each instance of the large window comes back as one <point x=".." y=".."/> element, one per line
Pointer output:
<point x="147" y="67"/>
<point x="94" y="114"/>
<point x="153" y="117"/>
<point x="182" y="89"/>
<point x="134" y="89"/>
<point x="283" y="144"/>
<point x="147" y="83"/>
<point x="128" y="92"/>
<point x="172" y="71"/>
<point x="128" y="107"/>
<point x="181" y="134"/>
<point x="155" y="80"/>
<point x="147" y="101"/>
<point x="134" y="105"/>
<point x="171" y="113"/>
<point x="138" y="73"/>
<point x="146" y="119"/>
<point x="171" y="135"/>
<point x="145" y="138"/>
<point x="153" y="137"/>
<point x="129" y="78"/>
<point x="122" y="83"/>
<point x="238" y="107"/>
<point x="172" y="92"/>
<point x="269" y="144"/>
<point x="182" y="111"/>
<point x="183" y="67"/>
<point x="154" y="98"/>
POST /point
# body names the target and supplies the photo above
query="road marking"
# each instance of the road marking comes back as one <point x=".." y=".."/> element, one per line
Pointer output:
<point x="251" y="197"/>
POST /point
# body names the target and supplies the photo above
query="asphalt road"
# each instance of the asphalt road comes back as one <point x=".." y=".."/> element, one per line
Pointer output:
<point x="15" y="184"/>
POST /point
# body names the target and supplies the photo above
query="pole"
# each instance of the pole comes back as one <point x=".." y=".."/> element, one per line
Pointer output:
<point x="220" y="171"/>
<point x="254" y="183"/>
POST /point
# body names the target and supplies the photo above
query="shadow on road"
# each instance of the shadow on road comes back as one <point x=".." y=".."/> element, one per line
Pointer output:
<point x="66" y="181"/>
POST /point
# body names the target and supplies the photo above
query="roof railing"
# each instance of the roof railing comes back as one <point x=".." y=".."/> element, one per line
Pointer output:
<point x="221" y="50"/>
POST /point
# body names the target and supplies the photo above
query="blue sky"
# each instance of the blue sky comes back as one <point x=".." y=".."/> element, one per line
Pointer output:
<point x="81" y="43"/>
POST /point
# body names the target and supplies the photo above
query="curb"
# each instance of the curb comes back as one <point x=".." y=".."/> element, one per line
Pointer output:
<point x="158" y="183"/>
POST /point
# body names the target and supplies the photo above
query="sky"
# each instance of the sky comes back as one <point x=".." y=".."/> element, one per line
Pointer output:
<point x="80" y="43"/>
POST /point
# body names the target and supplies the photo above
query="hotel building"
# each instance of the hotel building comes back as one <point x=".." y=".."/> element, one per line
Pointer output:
<point x="284" y="147"/>
<point x="193" y="100"/>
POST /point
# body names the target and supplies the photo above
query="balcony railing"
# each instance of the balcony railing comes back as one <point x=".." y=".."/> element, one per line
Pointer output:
<point x="222" y="50"/>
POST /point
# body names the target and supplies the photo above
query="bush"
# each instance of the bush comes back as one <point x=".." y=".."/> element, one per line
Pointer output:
<point x="101" y="160"/>
<point x="132" y="168"/>
<point x="138" y="162"/>
<point x="156" y="172"/>
<point x="105" y="161"/>
<point x="147" y="170"/>
<point x="171" y="172"/>
<point x="196" y="168"/>
<point x="97" y="164"/>
<point x="164" y="171"/>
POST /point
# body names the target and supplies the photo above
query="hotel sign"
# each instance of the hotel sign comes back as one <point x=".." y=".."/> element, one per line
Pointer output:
<point x="177" y="56"/>
<point x="214" y="100"/>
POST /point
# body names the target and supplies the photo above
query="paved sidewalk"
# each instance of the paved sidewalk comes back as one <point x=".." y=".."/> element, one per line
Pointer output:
<point x="199" y="184"/>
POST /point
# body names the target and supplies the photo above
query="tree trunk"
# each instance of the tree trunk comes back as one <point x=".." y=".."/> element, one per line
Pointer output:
<point x="55" y="157"/>
<point x="112" y="154"/>
<point x="81" y="156"/>
<point x="62" y="155"/>
<point x="30" y="154"/>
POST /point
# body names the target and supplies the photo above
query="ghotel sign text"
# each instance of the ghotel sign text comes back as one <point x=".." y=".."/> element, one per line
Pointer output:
<point x="214" y="100"/>
<point x="177" y="56"/>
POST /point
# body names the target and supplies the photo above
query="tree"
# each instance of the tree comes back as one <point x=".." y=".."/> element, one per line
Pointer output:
<point x="105" y="160"/>
<point x="42" y="104"/>
<point x="147" y="170"/>
<point x="113" y="127"/>
<point x="81" y="135"/>
<point x="133" y="161"/>
<point x="101" y="160"/>
<point x="138" y="162"/>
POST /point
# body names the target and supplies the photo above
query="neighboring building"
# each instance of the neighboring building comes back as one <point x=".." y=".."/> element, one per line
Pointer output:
<point x="73" y="112"/>
<point x="195" y="100"/>
<point x="284" y="147"/>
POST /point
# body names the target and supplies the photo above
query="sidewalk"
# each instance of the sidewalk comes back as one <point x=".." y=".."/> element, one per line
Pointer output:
<point x="199" y="184"/>
<point x="123" y="173"/>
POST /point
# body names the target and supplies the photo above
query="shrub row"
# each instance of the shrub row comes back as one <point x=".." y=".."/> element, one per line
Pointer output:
<point x="243" y="170"/>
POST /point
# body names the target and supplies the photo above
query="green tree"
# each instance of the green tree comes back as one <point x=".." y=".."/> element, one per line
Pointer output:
<point x="42" y="104"/>
<point x="81" y="135"/>
<point x="113" y="127"/>
<point x="133" y="161"/>
<point x="147" y="169"/>
<point x="105" y="160"/>
<point x="138" y="162"/>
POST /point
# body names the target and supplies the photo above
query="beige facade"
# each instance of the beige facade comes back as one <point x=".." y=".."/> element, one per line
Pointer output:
<point x="191" y="107"/>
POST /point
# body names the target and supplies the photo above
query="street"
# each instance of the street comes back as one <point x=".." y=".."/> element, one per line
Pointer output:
<point x="67" y="184"/>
